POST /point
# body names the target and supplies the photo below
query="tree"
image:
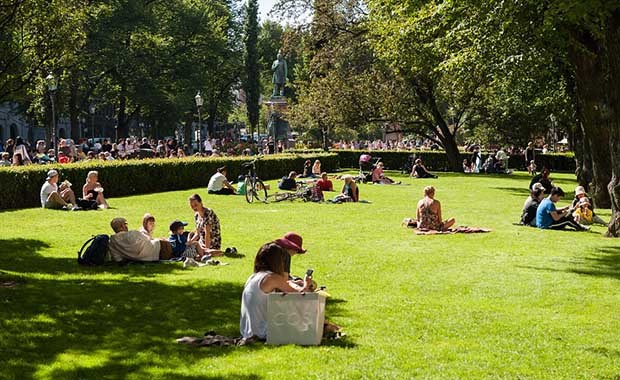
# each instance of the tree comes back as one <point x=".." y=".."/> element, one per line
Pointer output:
<point x="252" y="68"/>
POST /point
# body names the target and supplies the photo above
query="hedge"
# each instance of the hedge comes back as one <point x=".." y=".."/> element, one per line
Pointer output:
<point x="20" y="186"/>
<point x="438" y="160"/>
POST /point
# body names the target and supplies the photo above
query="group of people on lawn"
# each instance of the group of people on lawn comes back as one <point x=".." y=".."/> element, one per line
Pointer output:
<point x="539" y="209"/>
<point x="55" y="196"/>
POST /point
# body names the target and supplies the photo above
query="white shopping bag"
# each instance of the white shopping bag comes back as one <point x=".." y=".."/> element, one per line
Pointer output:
<point x="295" y="318"/>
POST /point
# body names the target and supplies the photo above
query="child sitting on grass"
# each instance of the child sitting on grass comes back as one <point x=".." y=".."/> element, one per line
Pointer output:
<point x="181" y="245"/>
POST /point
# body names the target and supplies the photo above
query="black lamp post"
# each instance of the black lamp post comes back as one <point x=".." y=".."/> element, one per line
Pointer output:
<point x="199" y="103"/>
<point x="52" y="86"/>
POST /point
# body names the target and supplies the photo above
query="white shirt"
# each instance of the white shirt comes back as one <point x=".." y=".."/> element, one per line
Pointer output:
<point x="216" y="183"/>
<point x="46" y="190"/>
<point x="253" y="319"/>
<point x="208" y="145"/>
<point x="134" y="246"/>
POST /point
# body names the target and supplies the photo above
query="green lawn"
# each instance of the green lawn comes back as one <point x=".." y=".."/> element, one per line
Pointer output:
<point x="514" y="303"/>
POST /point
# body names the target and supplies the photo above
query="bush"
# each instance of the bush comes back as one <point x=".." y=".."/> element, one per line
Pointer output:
<point x="20" y="186"/>
<point x="437" y="160"/>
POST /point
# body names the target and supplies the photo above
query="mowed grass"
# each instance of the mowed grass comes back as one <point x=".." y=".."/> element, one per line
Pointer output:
<point x="514" y="303"/>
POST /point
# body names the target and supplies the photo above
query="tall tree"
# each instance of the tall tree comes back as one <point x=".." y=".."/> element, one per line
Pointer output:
<point x="252" y="66"/>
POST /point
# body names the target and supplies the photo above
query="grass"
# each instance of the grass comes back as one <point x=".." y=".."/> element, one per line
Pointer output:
<point x="514" y="303"/>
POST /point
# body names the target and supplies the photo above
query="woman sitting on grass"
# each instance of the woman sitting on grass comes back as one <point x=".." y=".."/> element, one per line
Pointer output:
<point x="93" y="191"/>
<point x="379" y="177"/>
<point x="207" y="229"/>
<point x="428" y="213"/>
<point x="268" y="277"/>
<point x="350" y="192"/>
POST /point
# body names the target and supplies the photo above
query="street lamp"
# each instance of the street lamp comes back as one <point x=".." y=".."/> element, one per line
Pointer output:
<point x="52" y="86"/>
<point x="199" y="103"/>
<point x="92" y="110"/>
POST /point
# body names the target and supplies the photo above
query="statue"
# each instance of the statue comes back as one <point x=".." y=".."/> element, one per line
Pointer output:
<point x="280" y="72"/>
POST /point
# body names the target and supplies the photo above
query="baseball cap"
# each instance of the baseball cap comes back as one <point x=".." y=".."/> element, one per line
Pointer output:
<point x="176" y="225"/>
<point x="537" y="186"/>
<point x="117" y="223"/>
<point x="51" y="174"/>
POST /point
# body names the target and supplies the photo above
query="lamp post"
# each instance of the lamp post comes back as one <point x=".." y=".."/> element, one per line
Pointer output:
<point x="52" y="86"/>
<point x="92" y="110"/>
<point x="199" y="103"/>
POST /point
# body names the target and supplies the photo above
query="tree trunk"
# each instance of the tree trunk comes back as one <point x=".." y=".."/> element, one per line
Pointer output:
<point x="73" y="109"/>
<point x="587" y="57"/>
<point x="583" y="159"/>
<point x="613" y="94"/>
<point x="121" y="117"/>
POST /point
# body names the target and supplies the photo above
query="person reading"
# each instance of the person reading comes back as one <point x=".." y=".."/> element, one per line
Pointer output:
<point x="218" y="184"/>
<point x="550" y="217"/>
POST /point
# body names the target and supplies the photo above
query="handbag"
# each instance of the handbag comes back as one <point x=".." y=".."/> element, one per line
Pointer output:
<point x="295" y="318"/>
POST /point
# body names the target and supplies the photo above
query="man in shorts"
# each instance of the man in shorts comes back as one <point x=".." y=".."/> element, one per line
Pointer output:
<point x="57" y="197"/>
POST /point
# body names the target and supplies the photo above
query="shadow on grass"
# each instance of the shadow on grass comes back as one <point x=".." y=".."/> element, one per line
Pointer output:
<point x="520" y="191"/>
<point x="604" y="263"/>
<point x="99" y="327"/>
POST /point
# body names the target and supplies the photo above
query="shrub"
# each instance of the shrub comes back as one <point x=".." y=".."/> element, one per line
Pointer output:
<point x="437" y="160"/>
<point x="20" y="186"/>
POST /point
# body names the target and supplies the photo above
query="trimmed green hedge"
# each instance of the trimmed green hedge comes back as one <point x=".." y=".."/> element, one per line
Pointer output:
<point x="437" y="160"/>
<point x="20" y="186"/>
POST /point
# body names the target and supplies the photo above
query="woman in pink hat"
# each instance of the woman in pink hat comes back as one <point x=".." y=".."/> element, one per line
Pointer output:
<point x="291" y="242"/>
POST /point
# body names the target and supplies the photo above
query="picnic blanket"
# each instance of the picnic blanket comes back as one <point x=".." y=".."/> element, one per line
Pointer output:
<point x="457" y="230"/>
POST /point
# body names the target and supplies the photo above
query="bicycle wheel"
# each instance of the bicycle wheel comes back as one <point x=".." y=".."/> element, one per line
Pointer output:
<point x="249" y="190"/>
<point x="279" y="197"/>
<point x="260" y="191"/>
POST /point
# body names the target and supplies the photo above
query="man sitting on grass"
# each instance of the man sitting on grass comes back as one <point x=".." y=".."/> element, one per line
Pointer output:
<point x="218" y="184"/>
<point x="55" y="197"/>
<point x="288" y="183"/>
<point x="548" y="217"/>
<point x="133" y="245"/>
<point x="324" y="183"/>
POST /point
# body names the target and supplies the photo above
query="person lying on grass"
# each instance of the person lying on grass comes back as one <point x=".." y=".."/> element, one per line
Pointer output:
<point x="207" y="229"/>
<point x="428" y="212"/>
<point x="289" y="182"/>
<point x="133" y="245"/>
<point x="550" y="217"/>
<point x="268" y="276"/>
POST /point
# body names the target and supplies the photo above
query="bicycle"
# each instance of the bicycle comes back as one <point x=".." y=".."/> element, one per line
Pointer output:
<point x="254" y="187"/>
<point x="303" y="192"/>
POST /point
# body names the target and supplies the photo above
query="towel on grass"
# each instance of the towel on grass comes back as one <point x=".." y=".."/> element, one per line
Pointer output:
<point x="457" y="230"/>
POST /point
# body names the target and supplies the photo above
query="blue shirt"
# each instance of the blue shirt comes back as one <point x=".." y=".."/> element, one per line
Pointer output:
<point x="543" y="213"/>
<point x="178" y="243"/>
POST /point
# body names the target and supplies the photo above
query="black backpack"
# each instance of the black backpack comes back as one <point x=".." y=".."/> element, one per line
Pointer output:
<point x="96" y="253"/>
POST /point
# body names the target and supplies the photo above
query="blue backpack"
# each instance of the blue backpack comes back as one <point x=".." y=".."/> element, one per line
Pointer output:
<point x="96" y="253"/>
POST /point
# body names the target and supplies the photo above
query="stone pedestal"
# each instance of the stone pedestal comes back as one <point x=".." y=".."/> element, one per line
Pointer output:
<point x="277" y="126"/>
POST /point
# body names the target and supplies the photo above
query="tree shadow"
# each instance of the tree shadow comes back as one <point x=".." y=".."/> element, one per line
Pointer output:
<point x="92" y="326"/>
<point x="604" y="263"/>
<point x="520" y="191"/>
<point x="23" y="256"/>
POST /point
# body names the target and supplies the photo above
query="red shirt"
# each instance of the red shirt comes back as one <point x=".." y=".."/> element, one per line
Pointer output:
<point x="325" y="185"/>
<point x="64" y="160"/>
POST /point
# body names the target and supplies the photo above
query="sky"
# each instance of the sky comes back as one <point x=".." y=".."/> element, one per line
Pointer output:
<point x="264" y="6"/>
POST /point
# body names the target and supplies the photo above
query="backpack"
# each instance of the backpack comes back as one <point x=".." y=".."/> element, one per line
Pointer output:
<point x="96" y="253"/>
<point x="87" y="204"/>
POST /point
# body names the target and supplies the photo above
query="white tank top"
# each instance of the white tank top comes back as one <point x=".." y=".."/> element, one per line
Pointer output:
<point x="254" y="307"/>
